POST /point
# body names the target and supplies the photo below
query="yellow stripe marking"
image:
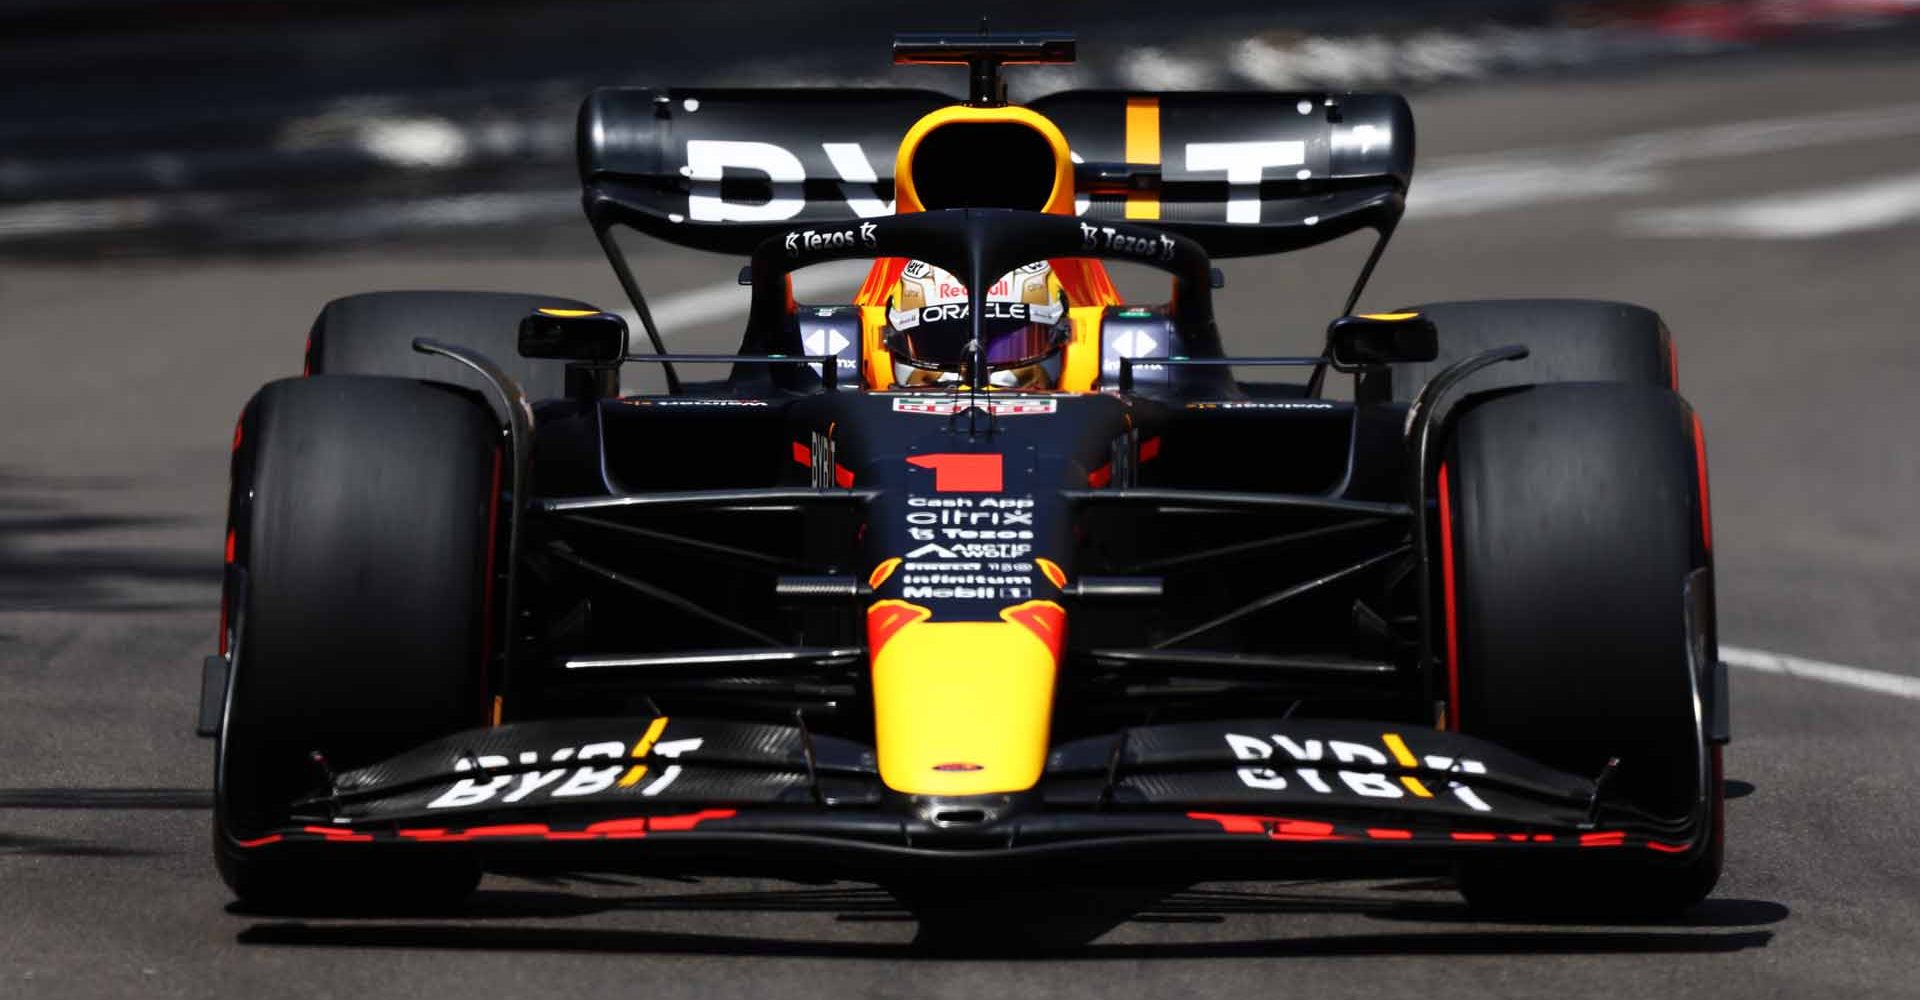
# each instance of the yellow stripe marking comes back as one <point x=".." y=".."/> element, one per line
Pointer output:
<point x="1399" y="749"/>
<point x="1405" y="758"/>
<point x="1391" y="317"/>
<point x="570" y="312"/>
<point x="654" y="729"/>
<point x="641" y="749"/>
<point x="1143" y="147"/>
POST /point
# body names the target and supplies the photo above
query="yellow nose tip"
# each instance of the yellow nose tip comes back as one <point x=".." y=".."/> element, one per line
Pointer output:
<point x="963" y="708"/>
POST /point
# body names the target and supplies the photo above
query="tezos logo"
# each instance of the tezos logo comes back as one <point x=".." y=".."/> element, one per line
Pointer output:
<point x="841" y="239"/>
<point x="1157" y="246"/>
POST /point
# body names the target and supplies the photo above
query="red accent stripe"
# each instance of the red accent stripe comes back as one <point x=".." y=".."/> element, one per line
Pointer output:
<point x="1303" y="829"/>
<point x="510" y="830"/>
<point x="1149" y="449"/>
<point x="959" y="472"/>
<point x="337" y="834"/>
<point x="1274" y="827"/>
<point x="1047" y="621"/>
<point x="689" y="820"/>
<point x="486" y="591"/>
<point x="842" y="476"/>
<point x="1451" y="599"/>
<point x="635" y="827"/>
<point x="1231" y="823"/>
<point x="239" y="430"/>
<point x="1099" y="478"/>
<point x="1700" y="469"/>
<point x="887" y="618"/>
<point x="802" y="453"/>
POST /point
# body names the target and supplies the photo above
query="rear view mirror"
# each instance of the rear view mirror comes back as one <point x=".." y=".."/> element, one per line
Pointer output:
<point x="573" y="335"/>
<point x="1369" y="339"/>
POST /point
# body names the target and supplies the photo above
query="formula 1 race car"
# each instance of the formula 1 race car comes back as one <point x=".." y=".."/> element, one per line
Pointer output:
<point x="985" y="578"/>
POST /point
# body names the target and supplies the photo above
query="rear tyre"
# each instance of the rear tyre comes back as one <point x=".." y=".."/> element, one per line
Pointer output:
<point x="1568" y="340"/>
<point x="362" y="531"/>
<point x="373" y="333"/>
<point x="1576" y="519"/>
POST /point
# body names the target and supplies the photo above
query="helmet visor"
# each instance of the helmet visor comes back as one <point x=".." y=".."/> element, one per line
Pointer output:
<point x="1014" y="334"/>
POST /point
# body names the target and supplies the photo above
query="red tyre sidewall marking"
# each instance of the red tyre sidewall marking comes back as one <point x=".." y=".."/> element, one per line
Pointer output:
<point x="1451" y="600"/>
<point x="1700" y="470"/>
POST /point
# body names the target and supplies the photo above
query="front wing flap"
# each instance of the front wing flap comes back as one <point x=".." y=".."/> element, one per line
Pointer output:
<point x="576" y="794"/>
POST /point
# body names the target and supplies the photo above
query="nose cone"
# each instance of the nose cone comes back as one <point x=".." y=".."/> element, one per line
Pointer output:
<point x="963" y="707"/>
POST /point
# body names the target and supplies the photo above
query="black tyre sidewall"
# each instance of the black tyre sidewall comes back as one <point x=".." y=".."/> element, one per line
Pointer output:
<point x="1577" y="518"/>
<point x="363" y="536"/>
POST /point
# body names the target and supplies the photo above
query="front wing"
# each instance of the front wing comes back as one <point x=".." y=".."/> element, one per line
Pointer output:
<point x="1239" y="799"/>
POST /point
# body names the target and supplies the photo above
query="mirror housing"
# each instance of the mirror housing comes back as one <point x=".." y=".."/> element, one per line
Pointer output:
<point x="1369" y="340"/>
<point x="581" y="335"/>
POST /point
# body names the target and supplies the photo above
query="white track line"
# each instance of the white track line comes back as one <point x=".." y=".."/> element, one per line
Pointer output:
<point x="1877" y="681"/>
<point x="1799" y="215"/>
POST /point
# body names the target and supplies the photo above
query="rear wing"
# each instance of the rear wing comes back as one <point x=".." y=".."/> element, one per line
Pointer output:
<point x="1239" y="173"/>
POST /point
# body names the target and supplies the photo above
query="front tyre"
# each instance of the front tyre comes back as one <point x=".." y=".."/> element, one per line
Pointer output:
<point x="1567" y="340"/>
<point x="362" y="523"/>
<point x="1577" y="515"/>
<point x="372" y="334"/>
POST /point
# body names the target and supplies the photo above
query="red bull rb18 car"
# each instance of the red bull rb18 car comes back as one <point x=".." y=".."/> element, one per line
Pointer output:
<point x="987" y="576"/>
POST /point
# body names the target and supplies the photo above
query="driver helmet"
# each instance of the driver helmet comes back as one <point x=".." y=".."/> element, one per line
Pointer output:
<point x="1024" y="326"/>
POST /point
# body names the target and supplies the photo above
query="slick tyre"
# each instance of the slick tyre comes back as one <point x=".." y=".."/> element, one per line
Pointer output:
<point x="1568" y="340"/>
<point x="361" y="524"/>
<point x="373" y="333"/>
<point x="1572" y="516"/>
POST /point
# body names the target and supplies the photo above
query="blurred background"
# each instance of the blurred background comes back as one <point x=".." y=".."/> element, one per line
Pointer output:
<point x="184" y="184"/>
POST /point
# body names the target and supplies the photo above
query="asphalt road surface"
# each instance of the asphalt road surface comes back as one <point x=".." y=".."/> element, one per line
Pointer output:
<point x="1767" y="206"/>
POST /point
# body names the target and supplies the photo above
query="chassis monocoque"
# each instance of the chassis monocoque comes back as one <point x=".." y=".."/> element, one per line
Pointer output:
<point x="1147" y="623"/>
